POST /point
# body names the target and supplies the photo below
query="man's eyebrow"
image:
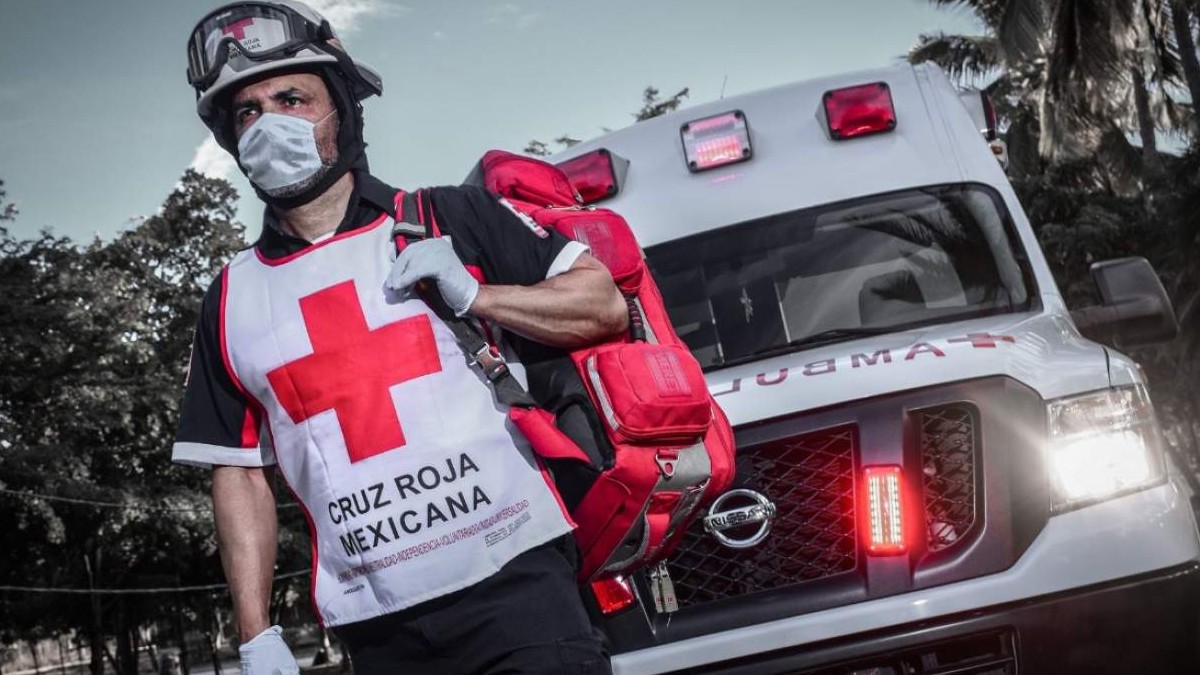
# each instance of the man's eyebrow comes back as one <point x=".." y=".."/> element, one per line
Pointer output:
<point x="276" y="96"/>
<point x="287" y="93"/>
<point x="245" y="102"/>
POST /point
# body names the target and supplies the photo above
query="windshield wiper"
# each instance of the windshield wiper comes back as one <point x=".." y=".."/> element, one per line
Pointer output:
<point x="824" y="337"/>
<point x="835" y="334"/>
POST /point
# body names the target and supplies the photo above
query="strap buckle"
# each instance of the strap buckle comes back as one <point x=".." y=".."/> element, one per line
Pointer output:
<point x="410" y="231"/>
<point x="491" y="362"/>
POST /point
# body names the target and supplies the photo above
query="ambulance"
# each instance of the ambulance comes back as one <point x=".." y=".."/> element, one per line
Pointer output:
<point x="942" y="468"/>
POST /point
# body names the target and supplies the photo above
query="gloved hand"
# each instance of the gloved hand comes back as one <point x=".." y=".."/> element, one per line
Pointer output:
<point x="435" y="259"/>
<point x="268" y="654"/>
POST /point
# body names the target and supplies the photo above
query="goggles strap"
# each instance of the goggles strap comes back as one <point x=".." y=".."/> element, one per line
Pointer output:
<point x="299" y="33"/>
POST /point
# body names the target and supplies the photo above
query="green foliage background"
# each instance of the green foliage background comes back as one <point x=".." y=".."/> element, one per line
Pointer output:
<point x="93" y="358"/>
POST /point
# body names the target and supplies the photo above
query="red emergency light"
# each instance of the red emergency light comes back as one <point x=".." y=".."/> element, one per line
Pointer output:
<point x="859" y="111"/>
<point x="593" y="175"/>
<point x="613" y="593"/>
<point x="883" y="508"/>
<point x="716" y="141"/>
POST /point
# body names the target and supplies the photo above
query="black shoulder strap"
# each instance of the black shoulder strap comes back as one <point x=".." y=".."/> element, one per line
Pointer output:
<point x="408" y="225"/>
<point x="413" y="223"/>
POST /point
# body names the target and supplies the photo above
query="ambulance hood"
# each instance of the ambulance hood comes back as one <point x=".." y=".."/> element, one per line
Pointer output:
<point x="1042" y="351"/>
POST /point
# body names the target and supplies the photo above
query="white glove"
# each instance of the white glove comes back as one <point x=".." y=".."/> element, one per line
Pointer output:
<point x="435" y="259"/>
<point x="268" y="654"/>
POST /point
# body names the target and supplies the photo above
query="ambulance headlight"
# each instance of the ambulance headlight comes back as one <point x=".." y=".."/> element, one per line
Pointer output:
<point x="1102" y="445"/>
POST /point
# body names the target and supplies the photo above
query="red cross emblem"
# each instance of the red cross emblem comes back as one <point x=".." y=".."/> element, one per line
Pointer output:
<point x="238" y="28"/>
<point x="983" y="340"/>
<point x="352" y="367"/>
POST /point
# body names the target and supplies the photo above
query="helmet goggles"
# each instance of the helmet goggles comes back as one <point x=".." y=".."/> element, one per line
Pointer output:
<point x="247" y="34"/>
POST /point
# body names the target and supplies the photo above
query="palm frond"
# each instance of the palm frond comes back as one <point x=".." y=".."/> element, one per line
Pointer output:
<point x="990" y="11"/>
<point x="1119" y="160"/>
<point x="958" y="55"/>
<point x="1116" y="104"/>
<point x="1156" y="42"/>
<point x="1090" y="40"/>
<point x="1022" y="28"/>
<point x="1070" y="126"/>
<point x="1054" y="142"/>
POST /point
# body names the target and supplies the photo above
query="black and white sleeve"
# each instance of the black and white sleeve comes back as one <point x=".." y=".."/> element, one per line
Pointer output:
<point x="508" y="246"/>
<point x="218" y="425"/>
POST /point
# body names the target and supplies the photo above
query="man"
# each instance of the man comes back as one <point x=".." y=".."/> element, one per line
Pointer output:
<point x="438" y="543"/>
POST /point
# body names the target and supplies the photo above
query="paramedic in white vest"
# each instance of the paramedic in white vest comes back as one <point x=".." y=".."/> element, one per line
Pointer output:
<point x="439" y="546"/>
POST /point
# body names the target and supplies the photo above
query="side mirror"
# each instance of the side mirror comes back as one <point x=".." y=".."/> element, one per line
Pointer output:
<point x="1135" y="311"/>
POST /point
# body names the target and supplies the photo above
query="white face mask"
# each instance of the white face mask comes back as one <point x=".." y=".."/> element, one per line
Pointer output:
<point x="280" y="153"/>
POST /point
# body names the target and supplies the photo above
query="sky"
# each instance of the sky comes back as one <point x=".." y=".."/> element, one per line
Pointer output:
<point x="97" y="121"/>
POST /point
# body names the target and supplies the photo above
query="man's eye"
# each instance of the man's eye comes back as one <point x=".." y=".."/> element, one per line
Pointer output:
<point x="293" y="101"/>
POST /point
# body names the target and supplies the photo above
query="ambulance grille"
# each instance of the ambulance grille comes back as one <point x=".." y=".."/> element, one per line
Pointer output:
<point x="810" y="479"/>
<point x="948" y="450"/>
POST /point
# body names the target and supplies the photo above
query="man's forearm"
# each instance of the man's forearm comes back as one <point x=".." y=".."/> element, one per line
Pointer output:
<point x="572" y="309"/>
<point x="247" y="532"/>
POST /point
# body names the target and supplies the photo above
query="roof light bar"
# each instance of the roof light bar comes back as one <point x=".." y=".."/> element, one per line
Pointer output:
<point x="716" y="141"/>
<point x="883" y="490"/>
<point x="859" y="111"/>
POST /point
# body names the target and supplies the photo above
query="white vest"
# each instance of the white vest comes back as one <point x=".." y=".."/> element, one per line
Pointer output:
<point x="414" y="482"/>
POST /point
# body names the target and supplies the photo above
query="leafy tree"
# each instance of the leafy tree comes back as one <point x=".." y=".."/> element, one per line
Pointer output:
<point x="1085" y="73"/>
<point x="92" y="363"/>
<point x="7" y="211"/>
<point x="653" y="105"/>
<point x="1182" y="15"/>
<point x="537" y="148"/>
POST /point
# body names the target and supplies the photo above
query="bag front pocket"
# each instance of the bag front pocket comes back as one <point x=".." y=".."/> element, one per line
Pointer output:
<point x="648" y="393"/>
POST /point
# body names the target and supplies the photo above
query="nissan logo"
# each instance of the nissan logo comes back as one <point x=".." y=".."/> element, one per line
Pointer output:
<point x="718" y="521"/>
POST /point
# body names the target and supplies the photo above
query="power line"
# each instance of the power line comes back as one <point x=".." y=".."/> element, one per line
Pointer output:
<point x="119" y="505"/>
<point x="88" y="502"/>
<point x="137" y="591"/>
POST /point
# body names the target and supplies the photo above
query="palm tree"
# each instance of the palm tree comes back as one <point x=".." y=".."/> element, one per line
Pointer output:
<point x="1085" y="71"/>
<point x="1182" y="12"/>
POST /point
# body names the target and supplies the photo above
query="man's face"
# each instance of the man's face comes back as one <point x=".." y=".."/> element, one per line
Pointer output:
<point x="297" y="94"/>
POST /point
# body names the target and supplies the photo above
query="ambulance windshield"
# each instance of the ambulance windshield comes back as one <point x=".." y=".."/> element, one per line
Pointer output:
<point x="837" y="272"/>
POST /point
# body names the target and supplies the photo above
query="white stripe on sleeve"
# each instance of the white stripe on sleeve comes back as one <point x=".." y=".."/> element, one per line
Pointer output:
<point x="204" y="455"/>
<point x="566" y="258"/>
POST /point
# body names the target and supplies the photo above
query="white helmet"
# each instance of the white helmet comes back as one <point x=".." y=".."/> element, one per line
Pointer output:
<point x="242" y="41"/>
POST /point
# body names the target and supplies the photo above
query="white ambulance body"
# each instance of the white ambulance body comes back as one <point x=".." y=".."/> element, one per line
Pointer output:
<point x="939" y="473"/>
